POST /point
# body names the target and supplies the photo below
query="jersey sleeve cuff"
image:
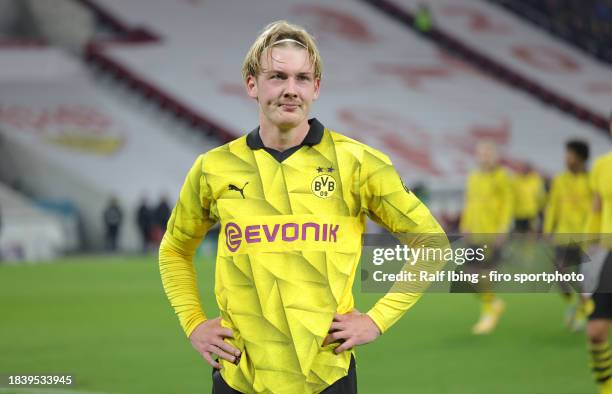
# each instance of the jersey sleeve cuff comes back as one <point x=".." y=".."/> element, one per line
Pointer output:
<point x="377" y="319"/>
<point x="191" y="326"/>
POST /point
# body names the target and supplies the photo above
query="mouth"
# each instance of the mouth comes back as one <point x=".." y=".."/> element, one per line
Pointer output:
<point x="289" y="107"/>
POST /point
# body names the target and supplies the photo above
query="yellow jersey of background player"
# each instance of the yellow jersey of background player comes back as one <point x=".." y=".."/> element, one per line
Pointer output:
<point x="598" y="328"/>
<point x="291" y="198"/>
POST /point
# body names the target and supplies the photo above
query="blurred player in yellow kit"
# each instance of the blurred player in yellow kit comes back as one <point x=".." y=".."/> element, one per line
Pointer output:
<point x="567" y="210"/>
<point x="291" y="197"/>
<point x="529" y="197"/>
<point x="598" y="327"/>
<point x="486" y="218"/>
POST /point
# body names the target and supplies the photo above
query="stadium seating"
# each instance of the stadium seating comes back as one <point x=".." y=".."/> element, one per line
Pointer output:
<point x="27" y="232"/>
<point x="587" y="24"/>
<point x="63" y="23"/>
<point x="67" y="137"/>
<point x="552" y="70"/>
<point x="417" y="97"/>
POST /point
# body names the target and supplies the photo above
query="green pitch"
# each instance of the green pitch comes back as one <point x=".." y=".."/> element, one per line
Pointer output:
<point x="106" y="321"/>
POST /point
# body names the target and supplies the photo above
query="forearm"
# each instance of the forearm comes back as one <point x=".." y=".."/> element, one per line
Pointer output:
<point x="506" y="215"/>
<point x="549" y="220"/>
<point x="179" y="281"/>
<point x="593" y="223"/>
<point x="394" y="206"/>
<point x="390" y="308"/>
<point x="403" y="295"/>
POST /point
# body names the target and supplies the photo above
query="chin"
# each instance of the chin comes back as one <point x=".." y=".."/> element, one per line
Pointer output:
<point x="289" y="121"/>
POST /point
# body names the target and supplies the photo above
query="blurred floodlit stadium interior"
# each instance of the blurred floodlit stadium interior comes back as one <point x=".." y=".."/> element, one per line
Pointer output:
<point x="114" y="98"/>
<point x="105" y="104"/>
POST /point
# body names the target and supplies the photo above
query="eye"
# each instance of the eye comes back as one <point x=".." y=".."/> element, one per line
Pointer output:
<point x="304" y="78"/>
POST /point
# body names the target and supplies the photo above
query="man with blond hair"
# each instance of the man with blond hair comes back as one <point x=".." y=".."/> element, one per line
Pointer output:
<point x="486" y="220"/>
<point x="291" y="197"/>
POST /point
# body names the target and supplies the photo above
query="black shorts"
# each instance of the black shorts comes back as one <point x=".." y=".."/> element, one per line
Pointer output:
<point x="522" y="225"/>
<point x="344" y="385"/>
<point x="568" y="256"/>
<point x="603" y="294"/>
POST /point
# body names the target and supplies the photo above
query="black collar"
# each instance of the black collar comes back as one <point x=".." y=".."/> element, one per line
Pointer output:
<point x="314" y="136"/>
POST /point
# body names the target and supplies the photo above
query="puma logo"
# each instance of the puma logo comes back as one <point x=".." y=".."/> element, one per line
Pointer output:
<point x="237" y="189"/>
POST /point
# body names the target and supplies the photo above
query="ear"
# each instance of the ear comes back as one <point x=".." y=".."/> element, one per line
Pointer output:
<point x="251" y="86"/>
<point x="317" y="88"/>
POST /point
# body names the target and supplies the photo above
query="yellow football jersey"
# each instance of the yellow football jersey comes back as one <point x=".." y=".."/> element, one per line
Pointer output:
<point x="569" y="204"/>
<point x="528" y="195"/>
<point x="601" y="183"/>
<point x="289" y="246"/>
<point x="488" y="203"/>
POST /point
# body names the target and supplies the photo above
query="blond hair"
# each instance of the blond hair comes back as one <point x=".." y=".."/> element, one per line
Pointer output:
<point x="281" y="33"/>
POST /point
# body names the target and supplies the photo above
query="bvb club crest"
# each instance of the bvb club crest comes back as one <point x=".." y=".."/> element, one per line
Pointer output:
<point x="324" y="184"/>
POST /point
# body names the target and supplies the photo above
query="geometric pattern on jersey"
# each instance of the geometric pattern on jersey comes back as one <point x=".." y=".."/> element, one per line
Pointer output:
<point x="287" y="258"/>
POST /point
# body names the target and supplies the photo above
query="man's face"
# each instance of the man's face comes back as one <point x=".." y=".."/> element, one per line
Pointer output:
<point x="486" y="155"/>
<point x="571" y="159"/>
<point x="286" y="87"/>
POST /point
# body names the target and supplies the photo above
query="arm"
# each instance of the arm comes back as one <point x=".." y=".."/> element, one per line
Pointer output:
<point x="507" y="202"/>
<point x="464" y="223"/>
<point x="551" y="210"/>
<point x="541" y="194"/>
<point x="387" y="202"/>
<point x="385" y="199"/>
<point x="593" y="223"/>
<point x="189" y="222"/>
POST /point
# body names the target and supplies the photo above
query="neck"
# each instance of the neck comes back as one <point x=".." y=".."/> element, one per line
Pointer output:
<point x="577" y="169"/>
<point x="279" y="138"/>
<point x="488" y="168"/>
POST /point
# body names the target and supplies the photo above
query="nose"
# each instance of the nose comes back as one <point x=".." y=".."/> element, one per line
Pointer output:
<point x="290" y="88"/>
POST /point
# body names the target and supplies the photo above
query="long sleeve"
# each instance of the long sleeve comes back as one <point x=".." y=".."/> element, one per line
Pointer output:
<point x="506" y="202"/>
<point x="386" y="200"/>
<point x="552" y="209"/>
<point x="188" y="224"/>
<point x="593" y="222"/>
<point x="466" y="215"/>
<point x="541" y="193"/>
